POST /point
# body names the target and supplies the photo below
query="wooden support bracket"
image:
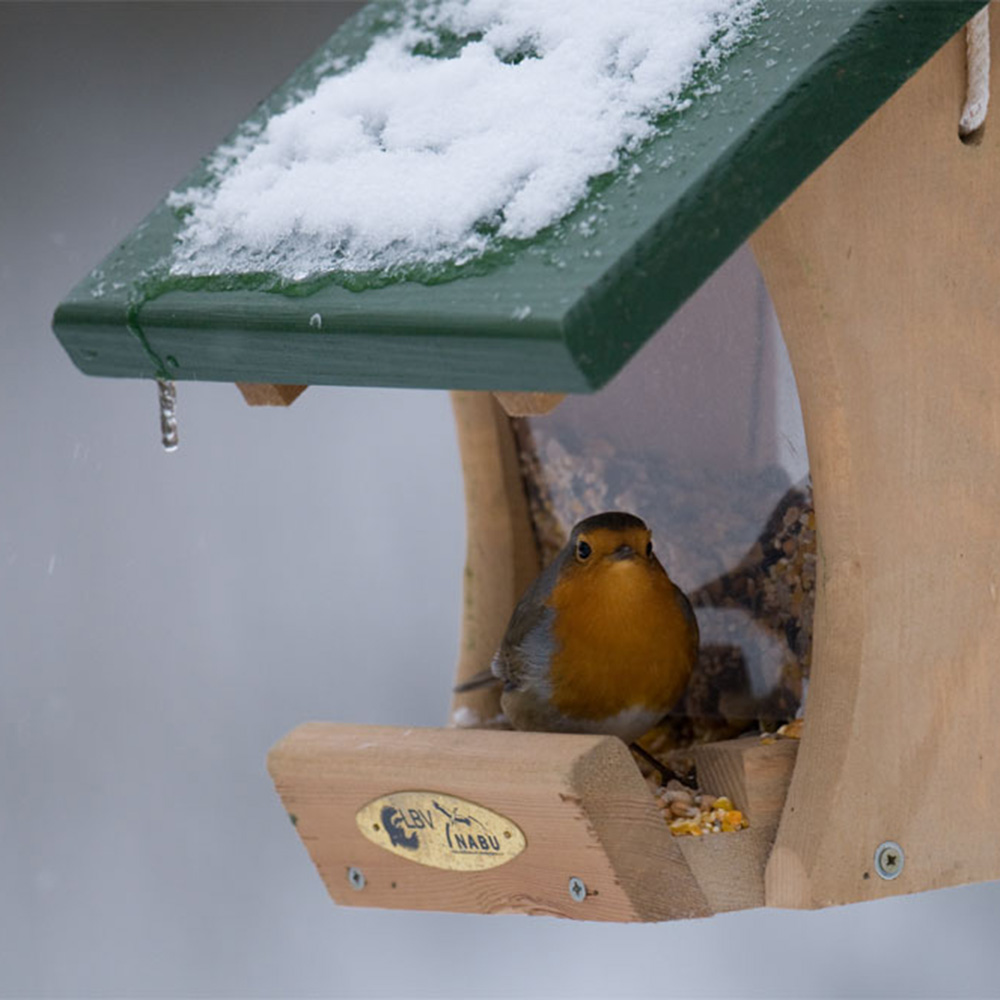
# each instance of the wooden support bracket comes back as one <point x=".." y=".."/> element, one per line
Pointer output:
<point x="265" y="394"/>
<point x="502" y="554"/>
<point x="884" y="267"/>
<point x="529" y="404"/>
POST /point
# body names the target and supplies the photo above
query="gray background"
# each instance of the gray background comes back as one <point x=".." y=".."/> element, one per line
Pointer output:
<point x="165" y="618"/>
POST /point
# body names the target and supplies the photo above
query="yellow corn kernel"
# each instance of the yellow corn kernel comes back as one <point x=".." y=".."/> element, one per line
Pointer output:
<point x="685" y="827"/>
<point x="791" y="730"/>
<point x="733" y="821"/>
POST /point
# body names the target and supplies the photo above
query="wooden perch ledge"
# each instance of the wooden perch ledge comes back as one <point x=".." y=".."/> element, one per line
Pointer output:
<point x="584" y="809"/>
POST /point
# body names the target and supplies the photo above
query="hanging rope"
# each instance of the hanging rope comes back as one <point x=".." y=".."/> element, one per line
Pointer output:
<point x="977" y="61"/>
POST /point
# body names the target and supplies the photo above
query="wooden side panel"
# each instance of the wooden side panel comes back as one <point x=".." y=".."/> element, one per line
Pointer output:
<point x="502" y="555"/>
<point x="580" y="801"/>
<point x="885" y="268"/>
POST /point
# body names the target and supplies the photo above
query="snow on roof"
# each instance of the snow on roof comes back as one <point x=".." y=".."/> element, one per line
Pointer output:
<point x="469" y="123"/>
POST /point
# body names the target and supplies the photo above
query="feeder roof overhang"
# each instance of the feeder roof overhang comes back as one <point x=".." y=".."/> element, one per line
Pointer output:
<point x="565" y="310"/>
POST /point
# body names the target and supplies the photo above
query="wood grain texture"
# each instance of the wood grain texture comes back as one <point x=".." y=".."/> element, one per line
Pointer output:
<point x="502" y="556"/>
<point x="580" y="801"/>
<point x="266" y="394"/>
<point x="884" y="267"/>
<point x="752" y="774"/>
<point x="529" y="404"/>
<point x="730" y="868"/>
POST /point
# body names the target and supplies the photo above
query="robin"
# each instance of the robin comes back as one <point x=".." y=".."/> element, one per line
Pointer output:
<point x="602" y="641"/>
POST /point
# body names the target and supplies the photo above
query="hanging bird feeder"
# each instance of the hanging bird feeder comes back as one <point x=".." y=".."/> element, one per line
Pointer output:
<point x="845" y="142"/>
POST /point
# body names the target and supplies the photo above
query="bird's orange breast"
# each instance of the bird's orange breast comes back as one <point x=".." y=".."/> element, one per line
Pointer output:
<point x="623" y="641"/>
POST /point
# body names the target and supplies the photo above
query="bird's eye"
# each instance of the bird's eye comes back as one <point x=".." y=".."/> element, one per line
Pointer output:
<point x="583" y="550"/>
<point x="649" y="549"/>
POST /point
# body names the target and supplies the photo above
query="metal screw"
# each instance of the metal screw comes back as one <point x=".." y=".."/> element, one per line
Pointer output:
<point x="577" y="889"/>
<point x="356" y="877"/>
<point x="889" y="860"/>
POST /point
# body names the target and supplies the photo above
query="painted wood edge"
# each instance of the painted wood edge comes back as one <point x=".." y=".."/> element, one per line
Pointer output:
<point x="736" y="193"/>
<point x="502" y="555"/>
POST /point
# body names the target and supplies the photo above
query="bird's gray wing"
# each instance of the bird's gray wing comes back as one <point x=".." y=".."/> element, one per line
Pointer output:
<point x="686" y="610"/>
<point x="522" y="660"/>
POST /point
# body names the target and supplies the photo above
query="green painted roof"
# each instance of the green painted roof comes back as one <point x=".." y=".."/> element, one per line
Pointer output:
<point x="811" y="73"/>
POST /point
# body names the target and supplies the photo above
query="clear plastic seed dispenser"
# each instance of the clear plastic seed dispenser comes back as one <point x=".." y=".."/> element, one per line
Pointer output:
<point x="701" y="435"/>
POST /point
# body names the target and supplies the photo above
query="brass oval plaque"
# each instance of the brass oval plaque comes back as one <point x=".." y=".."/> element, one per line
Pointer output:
<point x="440" y="831"/>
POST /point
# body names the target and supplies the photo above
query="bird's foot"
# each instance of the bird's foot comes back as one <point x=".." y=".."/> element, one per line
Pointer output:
<point x="666" y="773"/>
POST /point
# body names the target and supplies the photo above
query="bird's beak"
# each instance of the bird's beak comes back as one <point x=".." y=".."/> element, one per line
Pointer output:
<point x="623" y="552"/>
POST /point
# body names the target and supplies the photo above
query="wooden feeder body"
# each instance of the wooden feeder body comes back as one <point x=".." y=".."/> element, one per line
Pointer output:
<point x="883" y="268"/>
<point x="581" y="802"/>
<point x="882" y="265"/>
